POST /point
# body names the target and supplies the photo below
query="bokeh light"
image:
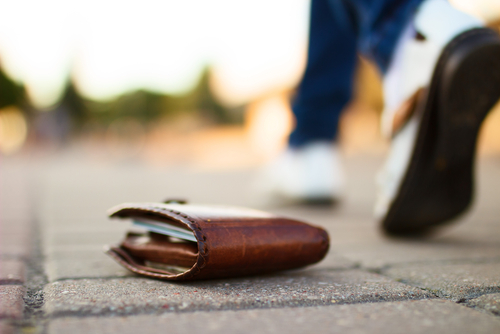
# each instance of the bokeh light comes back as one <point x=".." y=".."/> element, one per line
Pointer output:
<point x="13" y="130"/>
<point x="269" y="122"/>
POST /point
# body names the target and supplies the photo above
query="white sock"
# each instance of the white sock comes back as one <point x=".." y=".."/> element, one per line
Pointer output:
<point x="413" y="61"/>
<point x="440" y="22"/>
<point x="394" y="94"/>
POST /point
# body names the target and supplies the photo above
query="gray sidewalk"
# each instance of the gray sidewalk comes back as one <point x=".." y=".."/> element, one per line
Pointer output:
<point x="55" y="278"/>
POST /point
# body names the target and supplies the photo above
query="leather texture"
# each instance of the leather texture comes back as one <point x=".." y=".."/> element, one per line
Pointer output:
<point x="230" y="242"/>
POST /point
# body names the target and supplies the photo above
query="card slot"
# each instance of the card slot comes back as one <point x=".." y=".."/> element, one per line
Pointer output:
<point x="158" y="249"/>
<point x="164" y="228"/>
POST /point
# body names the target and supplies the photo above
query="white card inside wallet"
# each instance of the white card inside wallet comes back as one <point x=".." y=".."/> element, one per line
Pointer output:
<point x="164" y="228"/>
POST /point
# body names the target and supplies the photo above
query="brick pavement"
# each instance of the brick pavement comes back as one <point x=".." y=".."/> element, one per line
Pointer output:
<point x="367" y="283"/>
<point x="15" y="242"/>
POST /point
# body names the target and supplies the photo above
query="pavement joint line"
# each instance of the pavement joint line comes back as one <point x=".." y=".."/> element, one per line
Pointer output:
<point x="440" y="262"/>
<point x="80" y="278"/>
<point x="62" y="279"/>
<point x="34" y="318"/>
<point x="434" y="294"/>
<point x="4" y="283"/>
<point x="109" y="313"/>
<point x="466" y="303"/>
<point x="474" y="292"/>
<point x="380" y="270"/>
<point x="402" y="281"/>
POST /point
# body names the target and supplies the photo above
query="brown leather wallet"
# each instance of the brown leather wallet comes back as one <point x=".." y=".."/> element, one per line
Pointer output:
<point x="230" y="242"/>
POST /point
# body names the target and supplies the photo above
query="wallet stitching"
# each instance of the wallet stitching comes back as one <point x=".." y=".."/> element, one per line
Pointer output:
<point x="195" y="226"/>
<point x="192" y="224"/>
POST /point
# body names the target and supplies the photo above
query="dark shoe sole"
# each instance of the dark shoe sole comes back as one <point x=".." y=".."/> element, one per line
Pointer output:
<point x="313" y="202"/>
<point x="438" y="184"/>
<point x="320" y="201"/>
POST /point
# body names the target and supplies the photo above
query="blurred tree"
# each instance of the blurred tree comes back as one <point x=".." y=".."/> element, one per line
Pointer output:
<point x="142" y="105"/>
<point x="147" y="106"/>
<point x="10" y="92"/>
<point x="74" y="104"/>
<point x="205" y="102"/>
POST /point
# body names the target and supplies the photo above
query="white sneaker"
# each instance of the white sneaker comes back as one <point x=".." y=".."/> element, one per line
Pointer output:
<point x="438" y="90"/>
<point x="310" y="174"/>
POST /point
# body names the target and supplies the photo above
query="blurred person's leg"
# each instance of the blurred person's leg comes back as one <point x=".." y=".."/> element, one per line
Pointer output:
<point x="310" y="169"/>
<point x="338" y="29"/>
<point x="428" y="176"/>
<point x="326" y="86"/>
<point x="440" y="83"/>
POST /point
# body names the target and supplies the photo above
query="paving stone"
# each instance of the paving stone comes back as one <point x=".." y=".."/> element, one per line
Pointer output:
<point x="457" y="281"/>
<point x="11" y="301"/>
<point x="490" y="303"/>
<point x="377" y="254"/>
<point x="82" y="261"/>
<point x="72" y="213"/>
<point x="12" y="271"/>
<point x="306" y="287"/>
<point x="427" y="316"/>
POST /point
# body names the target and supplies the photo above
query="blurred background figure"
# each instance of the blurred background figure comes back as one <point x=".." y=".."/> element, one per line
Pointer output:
<point x="198" y="83"/>
<point x="425" y="102"/>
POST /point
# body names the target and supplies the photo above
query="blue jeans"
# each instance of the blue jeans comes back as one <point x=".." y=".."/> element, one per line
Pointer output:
<point x="338" y="30"/>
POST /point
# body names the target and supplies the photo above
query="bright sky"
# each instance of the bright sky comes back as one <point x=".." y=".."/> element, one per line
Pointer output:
<point x="114" y="46"/>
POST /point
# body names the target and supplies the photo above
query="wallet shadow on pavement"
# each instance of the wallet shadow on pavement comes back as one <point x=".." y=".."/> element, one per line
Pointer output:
<point x="193" y="242"/>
